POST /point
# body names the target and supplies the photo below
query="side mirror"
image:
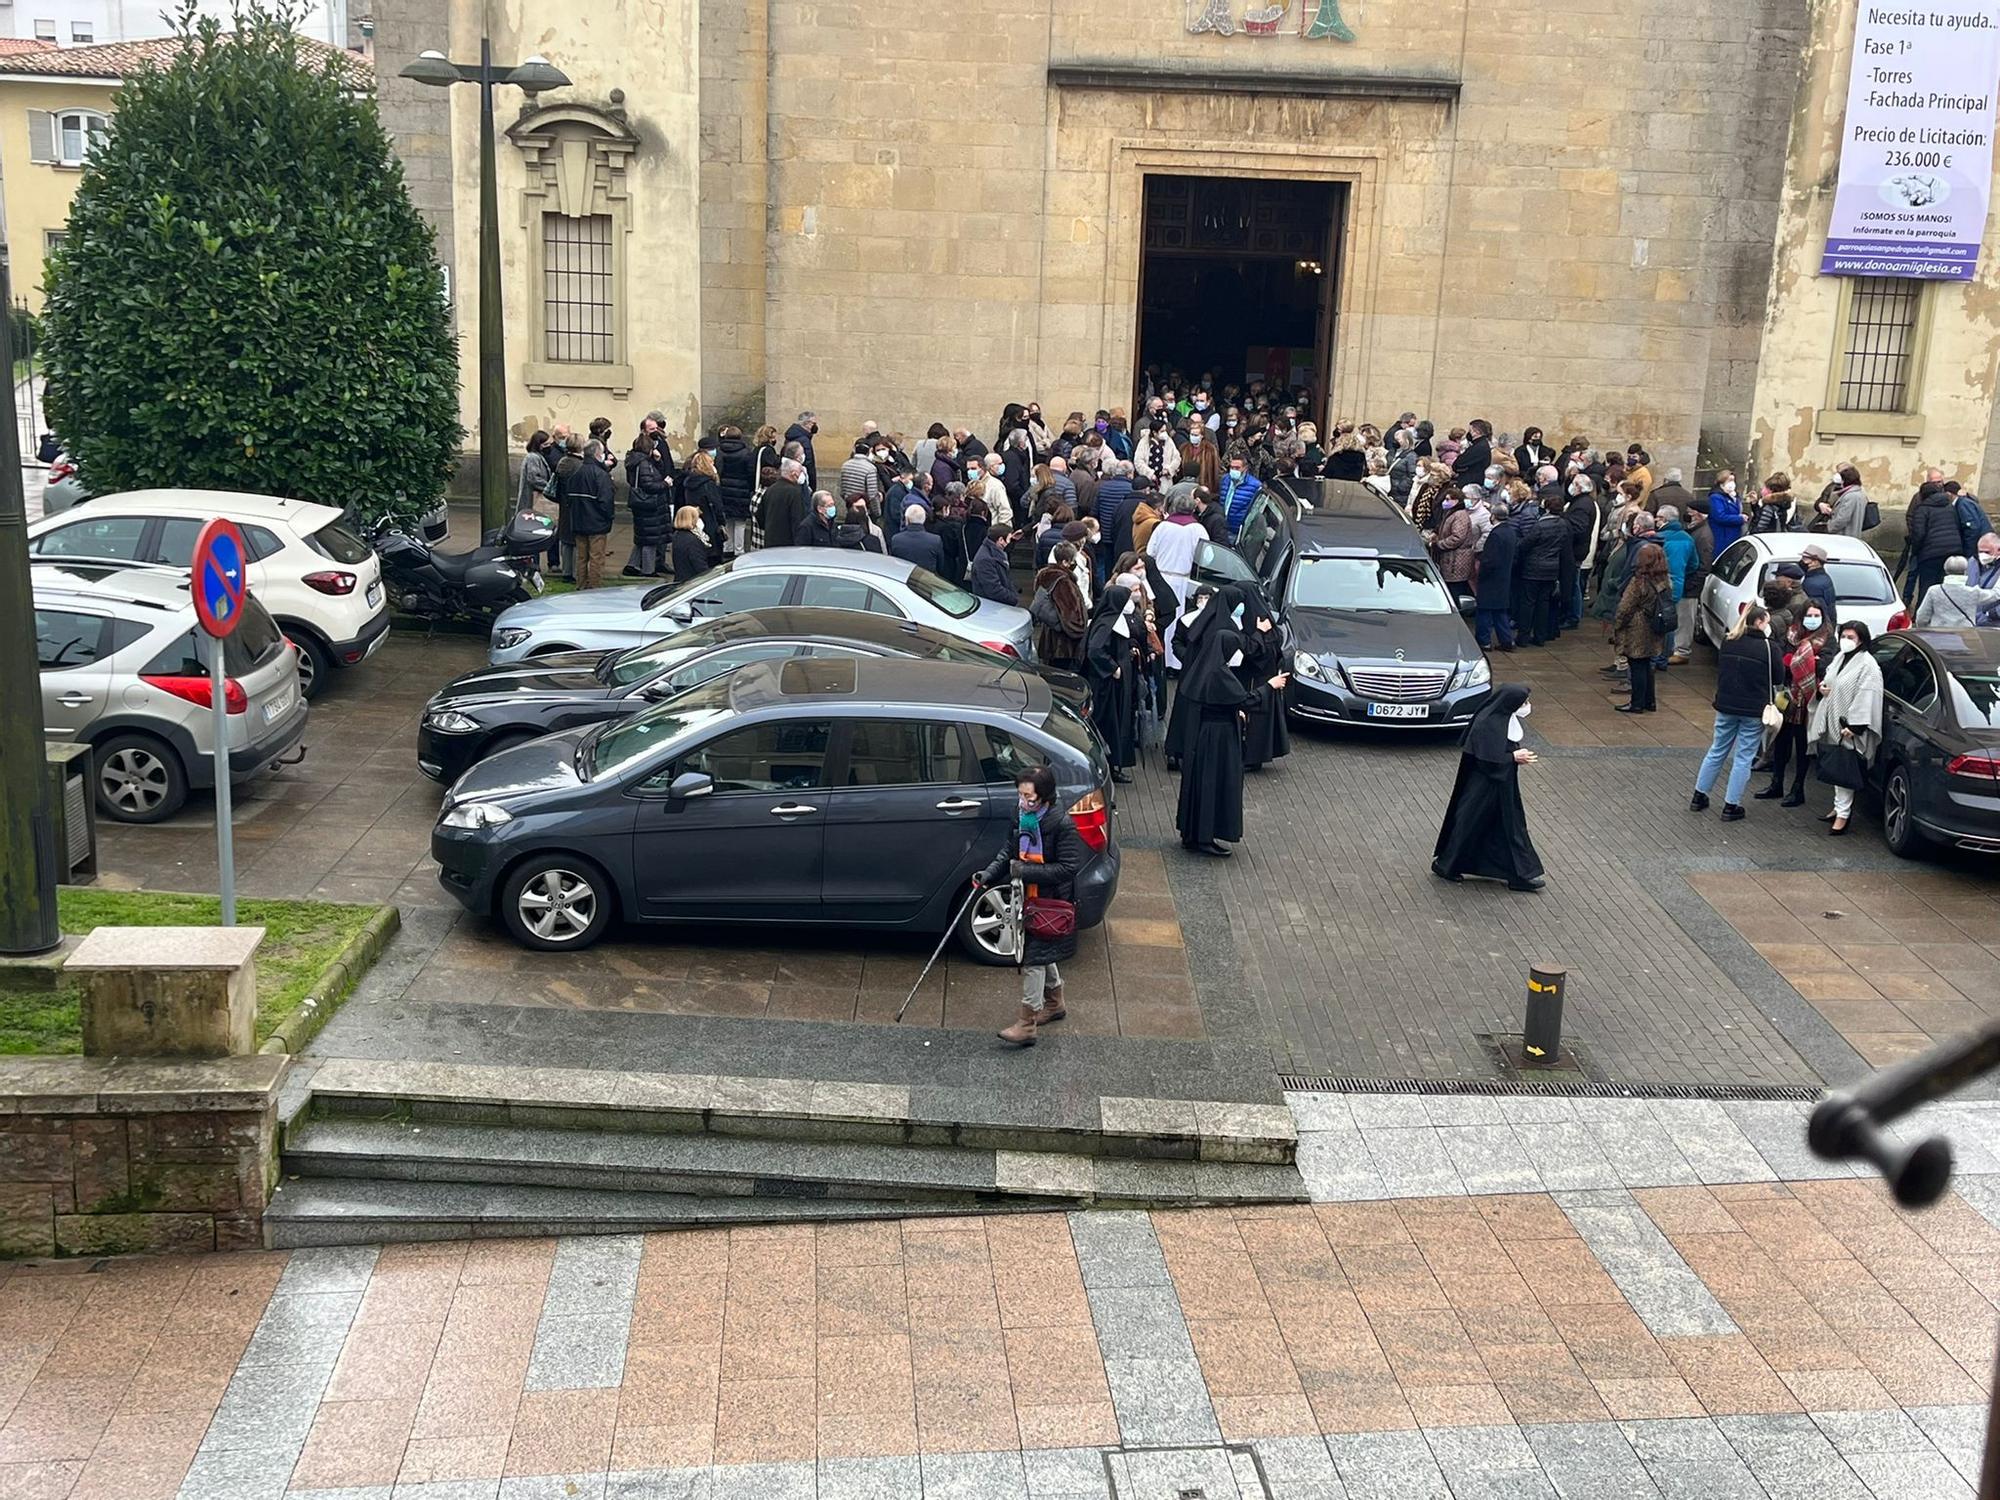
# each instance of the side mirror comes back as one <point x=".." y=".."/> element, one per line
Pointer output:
<point x="681" y="614"/>
<point x="691" y="784"/>
<point x="1468" y="605"/>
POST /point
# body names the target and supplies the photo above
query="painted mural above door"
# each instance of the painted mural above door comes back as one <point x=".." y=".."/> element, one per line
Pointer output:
<point x="1311" y="19"/>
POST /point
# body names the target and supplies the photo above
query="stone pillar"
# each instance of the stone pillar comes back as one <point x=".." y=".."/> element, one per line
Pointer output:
<point x="168" y="991"/>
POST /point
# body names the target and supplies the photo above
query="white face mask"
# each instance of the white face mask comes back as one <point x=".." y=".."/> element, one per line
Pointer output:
<point x="1988" y="559"/>
<point x="1236" y="660"/>
<point x="1847" y="644"/>
<point x="1729" y="487"/>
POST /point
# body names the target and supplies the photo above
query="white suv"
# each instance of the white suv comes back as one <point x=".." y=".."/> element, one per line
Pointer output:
<point x="319" y="579"/>
<point x="125" y="670"/>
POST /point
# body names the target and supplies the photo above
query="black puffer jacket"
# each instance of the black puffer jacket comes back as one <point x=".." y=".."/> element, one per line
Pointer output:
<point x="1063" y="857"/>
<point x="1544" y="541"/>
<point x="649" y="498"/>
<point x="1934" y="534"/>
<point x="1746" y="669"/>
<point x="736" y="466"/>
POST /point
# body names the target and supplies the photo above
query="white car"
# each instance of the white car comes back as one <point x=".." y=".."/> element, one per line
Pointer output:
<point x="1862" y="587"/>
<point x="317" y="576"/>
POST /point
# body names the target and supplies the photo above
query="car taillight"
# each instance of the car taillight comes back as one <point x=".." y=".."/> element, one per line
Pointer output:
<point x="1092" y="819"/>
<point x="330" y="583"/>
<point x="1002" y="647"/>
<point x="1900" y="620"/>
<point x="1985" y="767"/>
<point x="60" y="469"/>
<point x="195" y="690"/>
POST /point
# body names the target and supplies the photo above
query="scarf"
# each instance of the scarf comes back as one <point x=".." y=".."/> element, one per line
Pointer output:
<point x="1030" y="842"/>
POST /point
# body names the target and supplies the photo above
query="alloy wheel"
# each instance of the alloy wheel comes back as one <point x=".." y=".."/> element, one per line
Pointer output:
<point x="558" y="906"/>
<point x="134" y="780"/>
<point x="991" y="926"/>
<point x="308" y="668"/>
<point x="1895" y="807"/>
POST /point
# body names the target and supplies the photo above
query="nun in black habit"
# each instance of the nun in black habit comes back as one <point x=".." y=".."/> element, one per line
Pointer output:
<point x="1266" y="737"/>
<point x="1217" y="699"/>
<point x="1111" y="658"/>
<point x="1485" y="829"/>
<point x="1205" y="612"/>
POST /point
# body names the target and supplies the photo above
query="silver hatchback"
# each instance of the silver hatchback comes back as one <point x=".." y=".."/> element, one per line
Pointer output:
<point x="125" y="670"/>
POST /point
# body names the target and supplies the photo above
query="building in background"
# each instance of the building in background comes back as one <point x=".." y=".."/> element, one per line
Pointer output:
<point x="54" y="106"/>
<point x="84" y="23"/>
<point x="1599" y="219"/>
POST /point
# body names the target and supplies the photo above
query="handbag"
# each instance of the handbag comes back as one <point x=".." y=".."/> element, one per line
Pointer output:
<point x="1774" y="715"/>
<point x="1049" y="918"/>
<point x="1840" y="764"/>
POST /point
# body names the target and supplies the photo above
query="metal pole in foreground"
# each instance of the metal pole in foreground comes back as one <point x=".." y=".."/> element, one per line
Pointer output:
<point x="493" y="496"/>
<point x="28" y="919"/>
<point x="225" y="841"/>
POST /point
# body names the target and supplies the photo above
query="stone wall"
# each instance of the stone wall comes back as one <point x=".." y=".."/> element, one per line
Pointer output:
<point x="101" y="1156"/>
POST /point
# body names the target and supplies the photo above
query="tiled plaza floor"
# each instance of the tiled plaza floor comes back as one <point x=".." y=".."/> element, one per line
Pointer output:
<point x="1896" y="961"/>
<point x="1722" y="1339"/>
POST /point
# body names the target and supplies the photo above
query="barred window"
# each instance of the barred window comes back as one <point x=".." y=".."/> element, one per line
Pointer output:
<point x="1878" y="345"/>
<point x="577" y="294"/>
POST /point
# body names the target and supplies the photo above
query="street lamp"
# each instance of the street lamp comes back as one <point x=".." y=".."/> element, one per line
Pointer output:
<point x="532" y="77"/>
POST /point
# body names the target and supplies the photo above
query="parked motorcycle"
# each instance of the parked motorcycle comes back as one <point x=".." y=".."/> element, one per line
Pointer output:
<point x="473" y="585"/>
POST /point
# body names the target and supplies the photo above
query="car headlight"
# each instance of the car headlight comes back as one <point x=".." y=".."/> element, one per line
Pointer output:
<point x="1473" y="674"/>
<point x="507" y="637"/>
<point x="475" y="815"/>
<point x="1307" y="665"/>
<point x="451" y="721"/>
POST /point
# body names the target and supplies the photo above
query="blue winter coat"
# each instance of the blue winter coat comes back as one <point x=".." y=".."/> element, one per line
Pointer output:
<point x="1682" y="556"/>
<point x="1237" y="496"/>
<point x="1725" y="518"/>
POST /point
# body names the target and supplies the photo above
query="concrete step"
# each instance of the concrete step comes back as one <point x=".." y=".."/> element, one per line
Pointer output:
<point x="361" y="1211"/>
<point x="797" y="1109"/>
<point x="742" y="1167"/>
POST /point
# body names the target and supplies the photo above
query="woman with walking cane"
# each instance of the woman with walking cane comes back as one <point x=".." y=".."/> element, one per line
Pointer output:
<point x="1044" y="855"/>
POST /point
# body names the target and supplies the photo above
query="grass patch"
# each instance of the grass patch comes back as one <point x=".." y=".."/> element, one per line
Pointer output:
<point x="300" y="939"/>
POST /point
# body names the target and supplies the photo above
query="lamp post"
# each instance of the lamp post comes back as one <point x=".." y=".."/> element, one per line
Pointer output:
<point x="532" y="77"/>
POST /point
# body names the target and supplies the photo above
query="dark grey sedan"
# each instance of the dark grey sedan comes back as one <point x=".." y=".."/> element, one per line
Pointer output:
<point x="848" y="792"/>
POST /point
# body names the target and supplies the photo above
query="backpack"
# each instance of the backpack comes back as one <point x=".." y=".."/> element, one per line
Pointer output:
<point x="1664" y="615"/>
<point x="1042" y="609"/>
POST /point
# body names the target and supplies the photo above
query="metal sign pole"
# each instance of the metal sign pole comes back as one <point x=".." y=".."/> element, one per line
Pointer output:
<point x="225" y="849"/>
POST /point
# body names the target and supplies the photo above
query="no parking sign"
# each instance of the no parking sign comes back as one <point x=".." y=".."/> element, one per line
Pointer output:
<point x="218" y="580"/>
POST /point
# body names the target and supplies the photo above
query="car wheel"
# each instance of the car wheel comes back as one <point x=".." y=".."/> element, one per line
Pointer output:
<point x="501" y="742"/>
<point x="985" y="931"/>
<point x="315" y="665"/>
<point x="549" y="650"/>
<point x="1899" y="822"/>
<point x="139" y="779"/>
<point x="556" y="903"/>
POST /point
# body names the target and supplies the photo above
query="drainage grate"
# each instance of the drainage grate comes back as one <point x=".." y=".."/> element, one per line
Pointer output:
<point x="1333" y="1083"/>
<point x="1206" y="1471"/>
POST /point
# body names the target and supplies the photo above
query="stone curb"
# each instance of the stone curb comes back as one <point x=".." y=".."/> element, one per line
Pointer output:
<point x="334" y="983"/>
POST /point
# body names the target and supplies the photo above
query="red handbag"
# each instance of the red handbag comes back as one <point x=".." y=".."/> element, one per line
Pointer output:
<point x="1049" y="919"/>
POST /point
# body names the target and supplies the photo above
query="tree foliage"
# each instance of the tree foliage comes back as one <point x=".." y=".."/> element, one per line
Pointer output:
<point x="247" y="299"/>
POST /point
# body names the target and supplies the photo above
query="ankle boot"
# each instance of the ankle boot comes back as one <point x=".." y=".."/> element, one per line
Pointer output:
<point x="1772" y="792"/>
<point x="1052" y="1006"/>
<point x="1022" y="1032"/>
<point x="1797" y="796"/>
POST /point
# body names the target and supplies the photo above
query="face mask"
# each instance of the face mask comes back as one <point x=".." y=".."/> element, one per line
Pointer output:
<point x="1988" y="559"/>
<point x="1492" y="477"/>
<point x="1236" y="614"/>
<point x="1236" y="660"/>
<point x="828" y="511"/>
<point x="996" y="471"/>
<point x="1729" y="487"/>
<point x="1764" y="629"/>
<point x="881" y="455"/>
<point x="1201" y="406"/>
<point x="1234" y="472"/>
<point x="1028" y="803"/>
<point x="1811" y="623"/>
<point x="1848" y="643"/>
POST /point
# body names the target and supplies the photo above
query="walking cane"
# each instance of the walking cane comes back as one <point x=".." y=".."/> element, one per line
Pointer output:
<point x="949" y="930"/>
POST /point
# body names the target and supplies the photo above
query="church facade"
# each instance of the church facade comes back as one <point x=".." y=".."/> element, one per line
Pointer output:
<point x="1595" y="216"/>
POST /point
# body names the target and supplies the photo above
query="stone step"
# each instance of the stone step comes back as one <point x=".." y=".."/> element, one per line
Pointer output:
<point x="362" y="1211"/>
<point x="1181" y="1130"/>
<point x="741" y="1167"/>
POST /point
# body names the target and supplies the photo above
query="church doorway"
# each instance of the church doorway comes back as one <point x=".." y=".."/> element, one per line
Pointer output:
<point x="1238" y="279"/>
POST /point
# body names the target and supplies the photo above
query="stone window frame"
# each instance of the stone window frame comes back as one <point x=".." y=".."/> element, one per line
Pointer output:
<point x="1907" y="424"/>
<point x="579" y="170"/>
<point x="1357" y="242"/>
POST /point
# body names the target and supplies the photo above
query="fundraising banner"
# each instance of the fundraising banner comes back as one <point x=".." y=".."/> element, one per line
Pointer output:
<point x="1916" y="157"/>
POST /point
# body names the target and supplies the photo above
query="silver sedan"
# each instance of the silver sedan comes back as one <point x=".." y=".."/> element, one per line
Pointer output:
<point x="610" y="618"/>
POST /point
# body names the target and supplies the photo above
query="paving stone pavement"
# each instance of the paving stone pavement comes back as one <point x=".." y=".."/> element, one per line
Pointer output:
<point x="1733" y="1338"/>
